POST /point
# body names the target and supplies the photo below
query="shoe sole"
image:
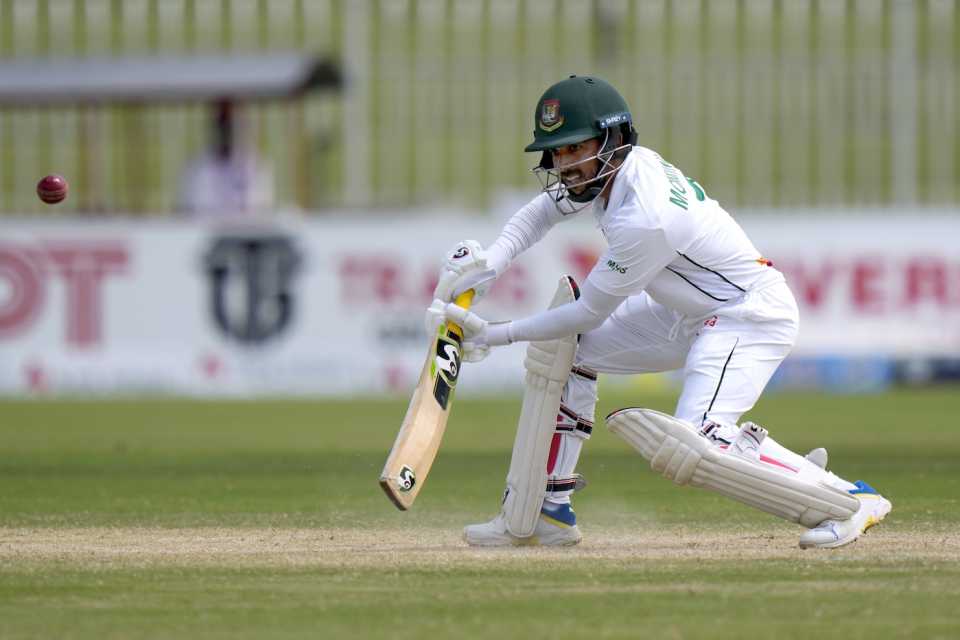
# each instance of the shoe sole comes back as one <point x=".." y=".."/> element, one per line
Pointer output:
<point x="871" y="522"/>
<point x="532" y="541"/>
<point x="562" y="543"/>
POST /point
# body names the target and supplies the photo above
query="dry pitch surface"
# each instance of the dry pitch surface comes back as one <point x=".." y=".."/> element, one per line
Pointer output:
<point x="342" y="548"/>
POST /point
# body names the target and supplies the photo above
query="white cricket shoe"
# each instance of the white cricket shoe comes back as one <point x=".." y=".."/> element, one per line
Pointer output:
<point x="818" y="457"/>
<point x="556" y="527"/>
<point x="830" y="534"/>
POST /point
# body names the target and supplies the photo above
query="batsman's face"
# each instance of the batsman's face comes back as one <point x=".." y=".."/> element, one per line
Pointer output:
<point x="577" y="163"/>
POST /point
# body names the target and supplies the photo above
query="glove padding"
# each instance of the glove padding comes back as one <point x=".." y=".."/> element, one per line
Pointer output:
<point x="465" y="267"/>
<point x="477" y="337"/>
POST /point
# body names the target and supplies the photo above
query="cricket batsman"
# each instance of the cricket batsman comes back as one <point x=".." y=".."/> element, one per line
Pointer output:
<point x="680" y="286"/>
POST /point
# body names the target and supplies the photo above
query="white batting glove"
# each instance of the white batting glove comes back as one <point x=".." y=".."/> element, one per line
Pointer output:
<point x="435" y="316"/>
<point x="465" y="267"/>
<point x="472" y="325"/>
<point x="478" y="334"/>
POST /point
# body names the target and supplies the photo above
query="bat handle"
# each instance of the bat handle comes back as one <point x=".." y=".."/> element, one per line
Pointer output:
<point x="463" y="300"/>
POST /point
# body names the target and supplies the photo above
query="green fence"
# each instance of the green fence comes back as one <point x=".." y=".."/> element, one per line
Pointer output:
<point x="765" y="102"/>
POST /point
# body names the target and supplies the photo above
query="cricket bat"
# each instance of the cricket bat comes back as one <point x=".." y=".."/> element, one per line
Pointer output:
<point x="422" y="430"/>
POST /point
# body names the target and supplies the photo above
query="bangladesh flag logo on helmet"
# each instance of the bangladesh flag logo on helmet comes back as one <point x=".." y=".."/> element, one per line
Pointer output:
<point x="550" y="117"/>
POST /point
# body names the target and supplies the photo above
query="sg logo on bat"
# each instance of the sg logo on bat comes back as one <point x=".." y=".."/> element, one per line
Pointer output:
<point x="406" y="479"/>
<point x="446" y="367"/>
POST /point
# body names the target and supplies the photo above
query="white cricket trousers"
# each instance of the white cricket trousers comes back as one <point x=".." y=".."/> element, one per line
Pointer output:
<point x="727" y="359"/>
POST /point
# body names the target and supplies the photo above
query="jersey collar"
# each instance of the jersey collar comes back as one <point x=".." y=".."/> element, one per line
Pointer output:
<point x="619" y="191"/>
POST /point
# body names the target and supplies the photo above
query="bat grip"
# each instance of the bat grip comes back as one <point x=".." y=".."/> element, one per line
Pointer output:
<point x="463" y="300"/>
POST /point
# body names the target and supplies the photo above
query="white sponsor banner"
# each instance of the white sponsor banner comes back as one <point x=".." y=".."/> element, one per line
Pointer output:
<point x="869" y="284"/>
<point x="334" y="305"/>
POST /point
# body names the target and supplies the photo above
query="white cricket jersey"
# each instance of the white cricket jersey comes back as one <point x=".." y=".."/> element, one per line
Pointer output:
<point x="665" y="236"/>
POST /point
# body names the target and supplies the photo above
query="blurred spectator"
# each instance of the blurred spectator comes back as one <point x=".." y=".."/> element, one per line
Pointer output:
<point x="227" y="180"/>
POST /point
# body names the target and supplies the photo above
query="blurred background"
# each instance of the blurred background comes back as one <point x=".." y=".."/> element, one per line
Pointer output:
<point x="261" y="192"/>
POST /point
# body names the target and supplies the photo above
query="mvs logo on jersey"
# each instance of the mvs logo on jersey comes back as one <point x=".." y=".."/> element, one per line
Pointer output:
<point x="616" y="267"/>
<point x="550" y="117"/>
<point x="250" y="278"/>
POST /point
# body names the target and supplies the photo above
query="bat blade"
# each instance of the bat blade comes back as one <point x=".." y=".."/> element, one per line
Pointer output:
<point x="423" y="425"/>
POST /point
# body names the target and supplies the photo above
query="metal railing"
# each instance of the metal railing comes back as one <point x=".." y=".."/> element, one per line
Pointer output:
<point x="765" y="102"/>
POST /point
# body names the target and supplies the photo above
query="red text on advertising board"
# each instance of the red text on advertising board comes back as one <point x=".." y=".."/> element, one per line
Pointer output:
<point x="368" y="280"/>
<point x="875" y="284"/>
<point x="81" y="266"/>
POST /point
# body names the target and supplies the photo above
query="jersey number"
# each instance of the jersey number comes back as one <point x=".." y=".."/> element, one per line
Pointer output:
<point x="697" y="189"/>
<point x="678" y="195"/>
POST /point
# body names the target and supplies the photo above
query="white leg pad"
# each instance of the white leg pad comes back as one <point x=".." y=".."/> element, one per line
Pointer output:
<point x="548" y="365"/>
<point x="676" y="450"/>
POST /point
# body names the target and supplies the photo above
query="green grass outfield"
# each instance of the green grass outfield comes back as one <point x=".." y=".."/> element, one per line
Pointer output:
<point x="187" y="519"/>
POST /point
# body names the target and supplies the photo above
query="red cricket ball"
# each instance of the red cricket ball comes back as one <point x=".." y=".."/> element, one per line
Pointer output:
<point x="52" y="189"/>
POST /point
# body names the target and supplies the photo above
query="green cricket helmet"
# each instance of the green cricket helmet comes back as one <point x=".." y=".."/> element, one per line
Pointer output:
<point x="575" y="110"/>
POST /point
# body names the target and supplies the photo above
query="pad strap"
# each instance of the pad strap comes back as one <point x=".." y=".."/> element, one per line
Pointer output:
<point x="584" y="372"/>
<point x="576" y="482"/>
<point x="569" y="421"/>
